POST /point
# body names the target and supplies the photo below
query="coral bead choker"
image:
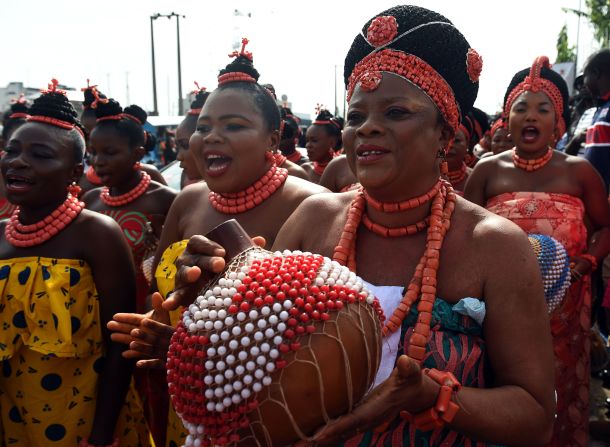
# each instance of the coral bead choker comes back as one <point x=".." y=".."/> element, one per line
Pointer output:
<point x="254" y="195"/>
<point x="534" y="164"/>
<point x="20" y="235"/>
<point x="319" y="168"/>
<point x="455" y="177"/>
<point x="129" y="196"/>
<point x="424" y="281"/>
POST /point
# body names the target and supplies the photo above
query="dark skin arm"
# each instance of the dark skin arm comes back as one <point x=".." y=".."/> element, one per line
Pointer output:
<point x="109" y="255"/>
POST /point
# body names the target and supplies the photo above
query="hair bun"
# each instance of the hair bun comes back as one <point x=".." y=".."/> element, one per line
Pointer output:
<point x="137" y="111"/>
<point x="110" y="108"/>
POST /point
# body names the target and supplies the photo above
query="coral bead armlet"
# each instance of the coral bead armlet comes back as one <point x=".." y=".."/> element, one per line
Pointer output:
<point x="444" y="410"/>
<point x="128" y="197"/>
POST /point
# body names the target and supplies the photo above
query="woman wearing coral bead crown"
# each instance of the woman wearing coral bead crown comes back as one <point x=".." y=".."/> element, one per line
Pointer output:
<point x="545" y="191"/>
<point x="466" y="357"/>
<point x="64" y="382"/>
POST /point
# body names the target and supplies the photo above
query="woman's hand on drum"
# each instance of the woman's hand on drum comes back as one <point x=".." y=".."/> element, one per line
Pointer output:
<point x="201" y="255"/>
<point x="407" y="388"/>
<point x="148" y="335"/>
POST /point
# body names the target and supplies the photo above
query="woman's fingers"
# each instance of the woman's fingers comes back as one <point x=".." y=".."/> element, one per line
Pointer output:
<point x="150" y="364"/>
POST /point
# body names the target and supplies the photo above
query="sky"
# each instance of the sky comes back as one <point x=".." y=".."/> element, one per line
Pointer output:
<point x="297" y="46"/>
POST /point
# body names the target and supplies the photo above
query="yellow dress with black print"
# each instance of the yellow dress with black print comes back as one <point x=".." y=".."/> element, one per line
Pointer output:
<point x="52" y="353"/>
<point x="165" y="276"/>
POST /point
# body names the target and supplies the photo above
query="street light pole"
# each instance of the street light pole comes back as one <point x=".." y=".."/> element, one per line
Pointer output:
<point x="154" y="74"/>
<point x="180" y="102"/>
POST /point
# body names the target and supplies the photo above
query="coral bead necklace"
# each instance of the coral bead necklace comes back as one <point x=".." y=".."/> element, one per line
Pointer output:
<point x="455" y="177"/>
<point x="20" y="235"/>
<point x="424" y="281"/>
<point x="534" y="164"/>
<point x="254" y="195"/>
<point x="129" y="196"/>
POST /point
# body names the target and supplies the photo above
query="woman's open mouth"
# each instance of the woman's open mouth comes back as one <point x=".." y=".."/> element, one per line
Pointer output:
<point x="217" y="164"/>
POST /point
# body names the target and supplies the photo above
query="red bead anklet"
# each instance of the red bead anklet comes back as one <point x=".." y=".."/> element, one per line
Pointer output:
<point x="20" y="235"/>
<point x="128" y="197"/>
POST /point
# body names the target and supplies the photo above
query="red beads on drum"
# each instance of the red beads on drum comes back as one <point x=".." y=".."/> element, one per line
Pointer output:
<point x="128" y="197"/>
<point x="21" y="235"/>
<point x="254" y="195"/>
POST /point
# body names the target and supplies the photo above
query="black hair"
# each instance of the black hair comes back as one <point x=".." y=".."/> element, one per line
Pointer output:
<point x="599" y="61"/>
<point x="262" y="98"/>
<point x="53" y="104"/>
<point x="291" y="129"/>
<point x="126" y="127"/>
<point x="89" y="99"/>
<point x="434" y="40"/>
<point x="550" y="75"/>
<point x="150" y="141"/>
<point x="10" y="124"/>
<point x="333" y="127"/>
<point x="200" y="98"/>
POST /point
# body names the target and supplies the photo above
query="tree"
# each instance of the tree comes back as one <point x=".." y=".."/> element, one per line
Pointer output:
<point x="598" y="15"/>
<point x="565" y="53"/>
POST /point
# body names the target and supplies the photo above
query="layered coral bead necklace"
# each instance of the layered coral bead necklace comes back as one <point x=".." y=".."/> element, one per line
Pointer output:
<point x="254" y="195"/>
<point x="457" y="176"/>
<point x="129" y="196"/>
<point x="20" y="235"/>
<point x="423" y="285"/>
<point x="533" y="164"/>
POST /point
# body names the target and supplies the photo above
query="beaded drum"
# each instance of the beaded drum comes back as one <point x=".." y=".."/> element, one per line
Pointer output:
<point x="273" y="348"/>
<point x="554" y="264"/>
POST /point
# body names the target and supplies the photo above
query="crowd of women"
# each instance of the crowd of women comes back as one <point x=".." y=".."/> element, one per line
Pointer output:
<point x="415" y="191"/>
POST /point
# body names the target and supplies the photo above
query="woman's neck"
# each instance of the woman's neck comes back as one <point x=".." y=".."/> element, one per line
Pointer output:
<point x="127" y="185"/>
<point x="29" y="215"/>
<point x="455" y="163"/>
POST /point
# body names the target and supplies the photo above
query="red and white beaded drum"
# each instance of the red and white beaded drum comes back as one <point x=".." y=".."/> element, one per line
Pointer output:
<point x="271" y="350"/>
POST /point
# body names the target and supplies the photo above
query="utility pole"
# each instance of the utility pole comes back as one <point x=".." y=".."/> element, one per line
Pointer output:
<point x="127" y="101"/>
<point x="154" y="74"/>
<point x="152" y="40"/>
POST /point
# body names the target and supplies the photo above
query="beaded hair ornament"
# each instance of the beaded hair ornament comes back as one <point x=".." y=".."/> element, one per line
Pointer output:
<point x="319" y="108"/>
<point x="196" y="111"/>
<point x="238" y="76"/>
<point x="22" y="104"/>
<point x="534" y="82"/>
<point x="118" y="116"/>
<point x="381" y="33"/>
<point x="500" y="123"/>
<point x="52" y="88"/>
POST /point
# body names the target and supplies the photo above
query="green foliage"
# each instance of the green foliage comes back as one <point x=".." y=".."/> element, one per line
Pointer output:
<point x="565" y="53"/>
<point x="598" y="15"/>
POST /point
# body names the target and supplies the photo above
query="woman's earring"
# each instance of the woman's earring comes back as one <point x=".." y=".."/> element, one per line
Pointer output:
<point x="74" y="190"/>
<point x="441" y="155"/>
